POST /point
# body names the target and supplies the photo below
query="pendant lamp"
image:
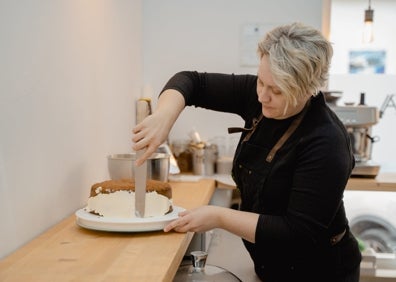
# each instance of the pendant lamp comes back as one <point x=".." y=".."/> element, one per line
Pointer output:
<point x="368" y="34"/>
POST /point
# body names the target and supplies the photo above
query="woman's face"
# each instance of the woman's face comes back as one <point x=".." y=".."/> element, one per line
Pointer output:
<point x="271" y="98"/>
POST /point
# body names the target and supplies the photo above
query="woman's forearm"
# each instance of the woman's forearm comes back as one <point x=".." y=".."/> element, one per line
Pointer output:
<point x="240" y="223"/>
<point x="170" y="104"/>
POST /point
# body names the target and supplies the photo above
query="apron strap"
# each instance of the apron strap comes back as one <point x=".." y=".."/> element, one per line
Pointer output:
<point x="243" y="129"/>
<point x="293" y="126"/>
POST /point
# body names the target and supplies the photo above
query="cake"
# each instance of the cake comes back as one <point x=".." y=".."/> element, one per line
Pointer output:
<point x="116" y="198"/>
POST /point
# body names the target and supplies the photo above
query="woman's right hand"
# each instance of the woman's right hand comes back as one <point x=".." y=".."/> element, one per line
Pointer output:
<point x="154" y="129"/>
<point x="150" y="134"/>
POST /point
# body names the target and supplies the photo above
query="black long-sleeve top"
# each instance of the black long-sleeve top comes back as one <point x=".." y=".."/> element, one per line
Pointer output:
<point x="299" y="194"/>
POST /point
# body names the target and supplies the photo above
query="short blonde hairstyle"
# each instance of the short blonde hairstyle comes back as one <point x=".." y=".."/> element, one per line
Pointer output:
<point x="299" y="58"/>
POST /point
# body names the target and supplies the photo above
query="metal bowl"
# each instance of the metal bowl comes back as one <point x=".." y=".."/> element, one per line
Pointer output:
<point x="332" y="97"/>
<point x="122" y="166"/>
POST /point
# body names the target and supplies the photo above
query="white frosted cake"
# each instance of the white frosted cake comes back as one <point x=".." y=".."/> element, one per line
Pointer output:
<point x="116" y="198"/>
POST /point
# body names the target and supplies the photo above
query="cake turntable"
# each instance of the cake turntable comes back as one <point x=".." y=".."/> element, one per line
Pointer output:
<point x="134" y="224"/>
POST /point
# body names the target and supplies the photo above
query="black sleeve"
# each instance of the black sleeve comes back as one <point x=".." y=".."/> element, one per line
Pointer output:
<point x="220" y="92"/>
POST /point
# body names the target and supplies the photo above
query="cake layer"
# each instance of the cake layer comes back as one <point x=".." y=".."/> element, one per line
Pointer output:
<point x="110" y="186"/>
<point x="116" y="198"/>
<point x="121" y="204"/>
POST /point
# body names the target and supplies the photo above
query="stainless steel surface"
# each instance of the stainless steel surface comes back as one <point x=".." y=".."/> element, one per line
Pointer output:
<point x="359" y="121"/>
<point x="173" y="166"/>
<point x="143" y="109"/>
<point x="204" y="158"/>
<point x="361" y="116"/>
<point x="140" y="186"/>
<point x="362" y="141"/>
<point x="122" y="166"/>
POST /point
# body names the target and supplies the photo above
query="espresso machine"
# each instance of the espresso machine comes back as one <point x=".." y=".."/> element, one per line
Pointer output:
<point x="359" y="121"/>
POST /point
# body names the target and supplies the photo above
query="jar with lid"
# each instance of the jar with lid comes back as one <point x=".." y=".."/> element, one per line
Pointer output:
<point x="183" y="154"/>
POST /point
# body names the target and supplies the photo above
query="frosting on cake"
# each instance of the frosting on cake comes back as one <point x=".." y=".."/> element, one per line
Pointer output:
<point x="116" y="198"/>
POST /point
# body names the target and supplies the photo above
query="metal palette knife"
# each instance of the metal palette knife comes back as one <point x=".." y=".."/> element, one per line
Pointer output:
<point x="140" y="186"/>
<point x="143" y="109"/>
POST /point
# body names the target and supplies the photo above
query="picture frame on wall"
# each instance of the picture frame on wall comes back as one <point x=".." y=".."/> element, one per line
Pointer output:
<point x="367" y="61"/>
<point x="251" y="34"/>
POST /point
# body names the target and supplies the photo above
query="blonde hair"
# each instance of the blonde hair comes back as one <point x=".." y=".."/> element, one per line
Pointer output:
<point x="299" y="58"/>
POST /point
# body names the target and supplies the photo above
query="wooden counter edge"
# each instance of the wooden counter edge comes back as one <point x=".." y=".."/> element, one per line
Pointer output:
<point x="383" y="182"/>
<point x="210" y="183"/>
<point x="172" y="270"/>
<point x="32" y="245"/>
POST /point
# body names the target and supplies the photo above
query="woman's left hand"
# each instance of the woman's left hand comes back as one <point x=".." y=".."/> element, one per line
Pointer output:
<point x="196" y="220"/>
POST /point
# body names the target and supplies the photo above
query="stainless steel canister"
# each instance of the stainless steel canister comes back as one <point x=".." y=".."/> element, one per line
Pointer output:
<point x="204" y="157"/>
<point x="122" y="166"/>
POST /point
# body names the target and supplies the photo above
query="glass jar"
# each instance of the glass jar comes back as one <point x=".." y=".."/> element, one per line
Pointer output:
<point x="199" y="271"/>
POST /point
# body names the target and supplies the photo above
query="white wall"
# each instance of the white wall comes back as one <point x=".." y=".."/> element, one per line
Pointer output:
<point x="346" y="34"/>
<point x="69" y="75"/>
<point x="205" y="36"/>
<point x="346" y="31"/>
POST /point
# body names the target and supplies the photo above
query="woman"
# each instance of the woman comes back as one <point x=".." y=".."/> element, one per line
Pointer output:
<point x="291" y="165"/>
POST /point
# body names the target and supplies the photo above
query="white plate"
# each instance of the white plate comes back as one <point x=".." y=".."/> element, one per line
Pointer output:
<point x="91" y="221"/>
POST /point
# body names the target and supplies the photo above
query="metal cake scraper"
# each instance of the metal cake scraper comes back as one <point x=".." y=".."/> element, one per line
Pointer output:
<point x="143" y="109"/>
<point x="140" y="186"/>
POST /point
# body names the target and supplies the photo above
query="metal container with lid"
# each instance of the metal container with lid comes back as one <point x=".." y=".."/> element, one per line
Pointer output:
<point x="199" y="271"/>
<point x="204" y="156"/>
<point x="122" y="166"/>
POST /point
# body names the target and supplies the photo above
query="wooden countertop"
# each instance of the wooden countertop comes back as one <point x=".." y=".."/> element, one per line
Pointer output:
<point x="67" y="252"/>
<point x="385" y="181"/>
